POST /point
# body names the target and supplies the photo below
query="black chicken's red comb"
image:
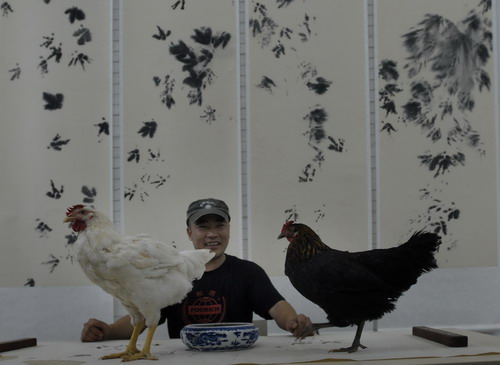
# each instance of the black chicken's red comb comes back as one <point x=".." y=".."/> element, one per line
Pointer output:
<point x="73" y="208"/>
<point x="287" y="225"/>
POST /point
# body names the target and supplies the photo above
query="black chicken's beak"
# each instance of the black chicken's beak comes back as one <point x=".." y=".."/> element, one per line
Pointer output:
<point x="281" y="235"/>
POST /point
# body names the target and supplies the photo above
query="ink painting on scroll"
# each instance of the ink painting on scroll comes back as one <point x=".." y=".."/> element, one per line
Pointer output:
<point x="437" y="138"/>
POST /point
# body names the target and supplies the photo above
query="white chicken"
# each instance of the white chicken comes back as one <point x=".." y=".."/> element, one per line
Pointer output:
<point x="143" y="273"/>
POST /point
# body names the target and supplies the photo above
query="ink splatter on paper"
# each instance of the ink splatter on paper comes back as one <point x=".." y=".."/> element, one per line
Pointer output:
<point x="78" y="58"/>
<point x="74" y="14"/>
<point x="52" y="263"/>
<point x="180" y="4"/>
<point x="196" y="59"/>
<point x="16" y="72"/>
<point x="89" y="193"/>
<point x="209" y="115"/>
<point x="148" y="129"/>
<point x="55" y="192"/>
<point x="52" y="44"/>
<point x="103" y="129"/>
<point x="141" y="190"/>
<point x="161" y="34"/>
<point x="267" y="84"/>
<point x="291" y="214"/>
<point x="6" y="8"/>
<point x="318" y="140"/>
<point x="264" y="28"/>
<point x="58" y="142"/>
<point x="53" y="101"/>
<point x="43" y="229"/>
<point x="166" y="95"/>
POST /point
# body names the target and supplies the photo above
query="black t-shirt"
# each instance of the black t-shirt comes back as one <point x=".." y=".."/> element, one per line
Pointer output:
<point x="230" y="293"/>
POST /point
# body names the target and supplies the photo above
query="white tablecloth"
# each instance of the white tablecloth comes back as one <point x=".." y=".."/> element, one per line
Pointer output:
<point x="267" y="350"/>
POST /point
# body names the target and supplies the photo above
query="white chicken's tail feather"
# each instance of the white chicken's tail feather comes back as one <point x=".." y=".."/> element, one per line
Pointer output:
<point x="195" y="262"/>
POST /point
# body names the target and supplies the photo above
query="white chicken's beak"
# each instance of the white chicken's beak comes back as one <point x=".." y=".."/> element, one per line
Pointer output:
<point x="69" y="219"/>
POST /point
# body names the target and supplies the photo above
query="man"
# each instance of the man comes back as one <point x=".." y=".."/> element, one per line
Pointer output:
<point x="230" y="290"/>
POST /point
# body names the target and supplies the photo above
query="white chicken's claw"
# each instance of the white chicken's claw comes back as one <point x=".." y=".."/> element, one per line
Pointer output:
<point x="139" y="356"/>
<point x="146" y="349"/>
<point x="131" y="347"/>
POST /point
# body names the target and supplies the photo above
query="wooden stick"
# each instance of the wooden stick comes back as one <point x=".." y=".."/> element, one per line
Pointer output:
<point x="17" y="344"/>
<point x="443" y="337"/>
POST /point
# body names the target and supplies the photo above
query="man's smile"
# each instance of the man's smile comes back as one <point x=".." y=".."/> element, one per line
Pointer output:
<point x="212" y="244"/>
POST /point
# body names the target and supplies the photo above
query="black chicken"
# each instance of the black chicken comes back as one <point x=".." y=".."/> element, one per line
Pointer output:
<point x="354" y="287"/>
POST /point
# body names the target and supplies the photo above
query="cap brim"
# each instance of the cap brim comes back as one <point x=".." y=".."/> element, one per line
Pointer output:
<point x="195" y="216"/>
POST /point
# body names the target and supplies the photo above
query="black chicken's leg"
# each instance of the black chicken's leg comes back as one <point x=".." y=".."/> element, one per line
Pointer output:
<point x="313" y="329"/>
<point x="356" y="343"/>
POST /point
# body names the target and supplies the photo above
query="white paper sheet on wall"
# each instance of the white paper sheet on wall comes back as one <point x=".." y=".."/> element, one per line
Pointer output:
<point x="181" y="128"/>
<point x="437" y="150"/>
<point x="308" y="125"/>
<point x="55" y="82"/>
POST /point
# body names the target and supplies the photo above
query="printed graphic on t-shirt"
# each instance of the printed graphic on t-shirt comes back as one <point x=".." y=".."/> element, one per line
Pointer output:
<point x="204" y="308"/>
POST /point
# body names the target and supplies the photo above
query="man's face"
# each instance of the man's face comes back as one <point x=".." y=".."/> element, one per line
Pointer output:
<point x="210" y="231"/>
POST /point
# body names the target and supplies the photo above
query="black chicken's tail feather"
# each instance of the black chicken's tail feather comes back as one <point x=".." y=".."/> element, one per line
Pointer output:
<point x="423" y="246"/>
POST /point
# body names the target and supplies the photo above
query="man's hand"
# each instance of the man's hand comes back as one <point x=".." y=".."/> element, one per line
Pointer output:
<point x="94" y="330"/>
<point x="287" y="319"/>
<point x="296" y="326"/>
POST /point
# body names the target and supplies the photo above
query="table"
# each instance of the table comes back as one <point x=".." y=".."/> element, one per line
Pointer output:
<point x="390" y="347"/>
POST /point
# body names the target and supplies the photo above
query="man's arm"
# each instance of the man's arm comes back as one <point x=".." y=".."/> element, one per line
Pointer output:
<point x="96" y="330"/>
<point x="287" y="318"/>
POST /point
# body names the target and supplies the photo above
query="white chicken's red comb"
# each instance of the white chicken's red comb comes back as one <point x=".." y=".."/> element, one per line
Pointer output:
<point x="73" y="208"/>
<point x="286" y="226"/>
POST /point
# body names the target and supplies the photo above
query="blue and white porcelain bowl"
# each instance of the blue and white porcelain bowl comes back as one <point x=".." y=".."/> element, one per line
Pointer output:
<point x="219" y="336"/>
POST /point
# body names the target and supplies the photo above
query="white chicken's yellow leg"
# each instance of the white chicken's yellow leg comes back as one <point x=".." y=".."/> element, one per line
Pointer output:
<point x="132" y="344"/>
<point x="146" y="350"/>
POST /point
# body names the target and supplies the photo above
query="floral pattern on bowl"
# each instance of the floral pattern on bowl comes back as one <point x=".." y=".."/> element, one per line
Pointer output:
<point x="219" y="336"/>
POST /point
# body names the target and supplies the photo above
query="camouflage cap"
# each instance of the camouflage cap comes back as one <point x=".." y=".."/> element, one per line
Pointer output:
<point x="199" y="208"/>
